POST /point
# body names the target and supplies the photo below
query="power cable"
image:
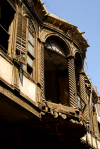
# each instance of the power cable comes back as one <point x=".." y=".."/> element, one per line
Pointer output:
<point x="51" y="10"/>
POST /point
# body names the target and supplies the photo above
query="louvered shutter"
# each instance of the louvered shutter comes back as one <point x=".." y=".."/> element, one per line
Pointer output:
<point x="21" y="38"/>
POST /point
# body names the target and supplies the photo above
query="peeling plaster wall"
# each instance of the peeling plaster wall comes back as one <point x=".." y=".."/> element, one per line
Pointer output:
<point x="27" y="87"/>
<point x="6" y="70"/>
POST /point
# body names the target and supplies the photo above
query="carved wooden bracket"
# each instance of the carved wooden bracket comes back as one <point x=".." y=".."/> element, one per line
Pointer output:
<point x="72" y="51"/>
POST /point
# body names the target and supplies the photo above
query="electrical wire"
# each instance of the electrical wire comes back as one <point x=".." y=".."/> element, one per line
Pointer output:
<point x="51" y="9"/>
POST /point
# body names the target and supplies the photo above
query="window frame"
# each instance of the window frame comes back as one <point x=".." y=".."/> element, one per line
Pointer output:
<point x="27" y="68"/>
<point x="6" y="21"/>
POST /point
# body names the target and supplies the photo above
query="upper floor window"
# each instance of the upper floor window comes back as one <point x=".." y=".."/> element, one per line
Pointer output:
<point x="30" y="54"/>
<point x="6" y="17"/>
<point x="53" y="45"/>
<point x="31" y="44"/>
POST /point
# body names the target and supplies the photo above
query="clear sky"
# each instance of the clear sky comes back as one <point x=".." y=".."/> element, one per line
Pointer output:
<point x="85" y="14"/>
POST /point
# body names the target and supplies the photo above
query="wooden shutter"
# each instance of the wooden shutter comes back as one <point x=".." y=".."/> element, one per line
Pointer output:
<point x="21" y="38"/>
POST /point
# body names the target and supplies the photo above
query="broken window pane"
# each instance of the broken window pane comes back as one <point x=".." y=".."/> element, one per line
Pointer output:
<point x="31" y="38"/>
<point x="29" y="61"/>
<point x="22" y="54"/>
<point x="31" y="49"/>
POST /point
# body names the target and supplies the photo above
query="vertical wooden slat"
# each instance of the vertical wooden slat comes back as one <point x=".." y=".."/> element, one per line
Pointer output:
<point x="72" y="83"/>
<point x="21" y="37"/>
<point x="83" y="93"/>
<point x="19" y="25"/>
<point x="24" y="24"/>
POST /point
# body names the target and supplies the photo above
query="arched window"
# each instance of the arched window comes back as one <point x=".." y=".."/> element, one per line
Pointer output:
<point x="53" y="45"/>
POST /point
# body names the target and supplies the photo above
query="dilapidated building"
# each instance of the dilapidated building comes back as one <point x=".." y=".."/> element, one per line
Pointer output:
<point x="46" y="97"/>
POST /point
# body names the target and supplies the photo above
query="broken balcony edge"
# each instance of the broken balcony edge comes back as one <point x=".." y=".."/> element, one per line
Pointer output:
<point x="64" y="112"/>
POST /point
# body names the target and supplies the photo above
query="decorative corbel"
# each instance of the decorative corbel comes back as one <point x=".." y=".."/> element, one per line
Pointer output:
<point x="69" y="33"/>
<point x="72" y="51"/>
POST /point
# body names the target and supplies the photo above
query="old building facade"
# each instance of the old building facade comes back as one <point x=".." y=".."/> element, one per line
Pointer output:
<point x="46" y="96"/>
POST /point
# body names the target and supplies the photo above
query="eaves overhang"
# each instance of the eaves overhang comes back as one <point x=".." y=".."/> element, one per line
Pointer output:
<point x="66" y="27"/>
<point x="61" y="24"/>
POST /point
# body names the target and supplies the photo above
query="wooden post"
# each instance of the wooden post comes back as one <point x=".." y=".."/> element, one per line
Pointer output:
<point x="83" y="92"/>
<point x="42" y="72"/>
<point x="72" y="82"/>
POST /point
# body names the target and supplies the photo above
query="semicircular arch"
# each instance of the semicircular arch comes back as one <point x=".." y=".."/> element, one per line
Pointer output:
<point x="62" y="42"/>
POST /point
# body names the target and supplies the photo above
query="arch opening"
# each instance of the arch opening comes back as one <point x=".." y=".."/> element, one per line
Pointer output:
<point x="56" y="71"/>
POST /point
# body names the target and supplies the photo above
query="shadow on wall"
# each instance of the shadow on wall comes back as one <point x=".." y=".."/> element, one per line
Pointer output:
<point x="21" y="77"/>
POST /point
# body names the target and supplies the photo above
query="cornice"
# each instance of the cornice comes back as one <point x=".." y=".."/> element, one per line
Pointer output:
<point x="41" y="12"/>
<point x="31" y="7"/>
<point x="53" y="28"/>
